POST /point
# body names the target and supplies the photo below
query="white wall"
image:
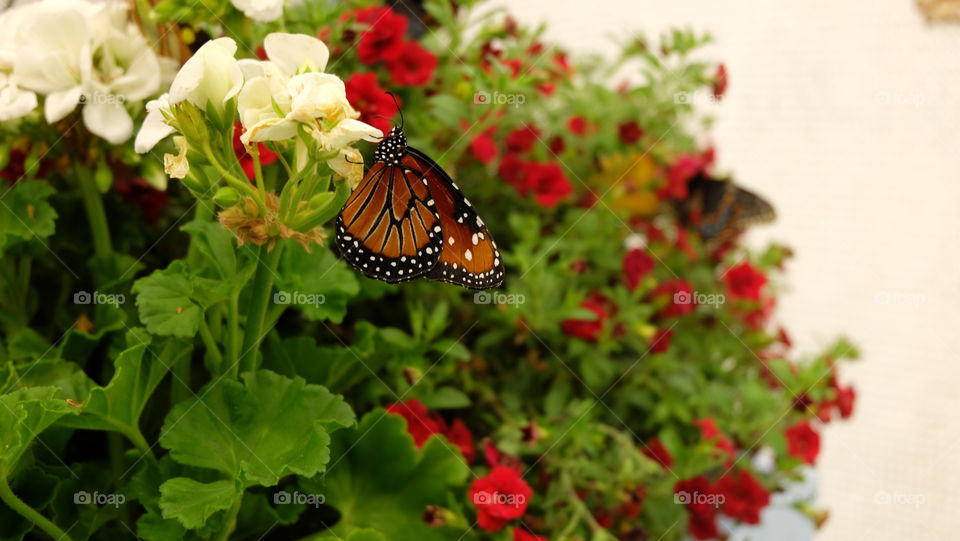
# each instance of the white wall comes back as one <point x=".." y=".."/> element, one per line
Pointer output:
<point x="845" y="114"/>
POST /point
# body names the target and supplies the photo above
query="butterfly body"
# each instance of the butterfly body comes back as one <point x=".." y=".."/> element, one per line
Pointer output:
<point x="720" y="209"/>
<point x="408" y="219"/>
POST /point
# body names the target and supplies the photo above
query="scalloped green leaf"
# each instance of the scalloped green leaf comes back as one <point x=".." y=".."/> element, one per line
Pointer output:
<point x="257" y="431"/>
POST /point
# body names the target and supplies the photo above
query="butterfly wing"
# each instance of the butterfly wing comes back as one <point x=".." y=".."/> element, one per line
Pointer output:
<point x="720" y="209"/>
<point x="469" y="257"/>
<point x="389" y="228"/>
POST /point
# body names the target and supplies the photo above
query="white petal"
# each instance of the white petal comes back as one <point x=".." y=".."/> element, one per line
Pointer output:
<point x="274" y="129"/>
<point x="60" y="104"/>
<point x="294" y="51"/>
<point x="260" y="10"/>
<point x="349" y="165"/>
<point x="111" y="121"/>
<point x="154" y="129"/>
<point x="347" y="132"/>
<point x="14" y="102"/>
<point x="177" y="166"/>
<point x="212" y="74"/>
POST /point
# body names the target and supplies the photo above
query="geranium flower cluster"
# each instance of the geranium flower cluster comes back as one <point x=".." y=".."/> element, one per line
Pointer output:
<point x="77" y="53"/>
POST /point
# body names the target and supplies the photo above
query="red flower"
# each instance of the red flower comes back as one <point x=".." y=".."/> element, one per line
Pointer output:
<point x="680" y="295"/>
<point x="845" y="399"/>
<point x="513" y="169"/>
<point x="744" y="281"/>
<point x="586" y="329"/>
<point x="557" y="144"/>
<point x="703" y="526"/>
<point x="519" y="534"/>
<point x="460" y="435"/>
<point x="499" y="497"/>
<point x="683" y="169"/>
<point x="660" y="342"/>
<point x="630" y="132"/>
<point x="709" y="431"/>
<point x="757" y="319"/>
<point x="720" y="82"/>
<point x="743" y="496"/>
<point x="701" y="500"/>
<point x="577" y="125"/>
<point x="483" y="148"/>
<point x="522" y="138"/>
<point x="246" y="160"/>
<point x="636" y="265"/>
<point x="138" y="193"/>
<point x="803" y="442"/>
<point x="657" y="451"/>
<point x="420" y="424"/>
<point x="371" y="100"/>
<point x="549" y="185"/>
<point x="384" y="38"/>
<point x="413" y="66"/>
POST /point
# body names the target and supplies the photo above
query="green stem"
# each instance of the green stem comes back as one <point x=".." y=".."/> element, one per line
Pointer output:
<point x="267" y="262"/>
<point x="233" y="334"/>
<point x="27" y="512"/>
<point x="212" y="349"/>
<point x="97" y="217"/>
<point x="231" y="524"/>
<point x="240" y="185"/>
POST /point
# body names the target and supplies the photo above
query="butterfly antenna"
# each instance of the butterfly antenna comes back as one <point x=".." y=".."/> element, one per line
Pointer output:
<point x="397" y="103"/>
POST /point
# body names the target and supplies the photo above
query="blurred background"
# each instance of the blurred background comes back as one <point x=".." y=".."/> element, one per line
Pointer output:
<point x="845" y="115"/>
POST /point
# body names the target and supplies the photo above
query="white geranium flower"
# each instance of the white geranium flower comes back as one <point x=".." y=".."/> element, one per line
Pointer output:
<point x="54" y="55"/>
<point x="81" y="52"/>
<point x="177" y="165"/>
<point x="211" y="75"/>
<point x="260" y="10"/>
<point x="14" y="101"/>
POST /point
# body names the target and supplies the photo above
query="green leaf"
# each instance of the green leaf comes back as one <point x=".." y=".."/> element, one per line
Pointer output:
<point x="318" y="283"/>
<point x="24" y="414"/>
<point x="257" y="431"/>
<point x="379" y="479"/>
<point x="25" y="213"/>
<point x="139" y="369"/>
<point x="216" y="243"/>
<point x="192" y="502"/>
<point x="171" y="301"/>
<point x="446" y="398"/>
<point x="335" y="367"/>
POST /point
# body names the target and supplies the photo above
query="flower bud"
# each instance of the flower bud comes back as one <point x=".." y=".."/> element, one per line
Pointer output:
<point x="226" y="197"/>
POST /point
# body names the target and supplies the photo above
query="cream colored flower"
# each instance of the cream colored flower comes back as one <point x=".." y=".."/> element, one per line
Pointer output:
<point x="177" y="165"/>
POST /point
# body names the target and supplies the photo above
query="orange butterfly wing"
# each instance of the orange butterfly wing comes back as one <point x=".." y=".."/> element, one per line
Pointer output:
<point x="389" y="228"/>
<point x="469" y="257"/>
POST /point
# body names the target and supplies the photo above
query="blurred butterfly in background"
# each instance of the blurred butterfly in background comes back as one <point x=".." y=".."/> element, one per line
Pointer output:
<point x="408" y="219"/>
<point x="720" y="209"/>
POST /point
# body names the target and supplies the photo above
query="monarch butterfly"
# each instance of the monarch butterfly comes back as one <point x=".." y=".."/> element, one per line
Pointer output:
<point x="408" y="219"/>
<point x="720" y="209"/>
